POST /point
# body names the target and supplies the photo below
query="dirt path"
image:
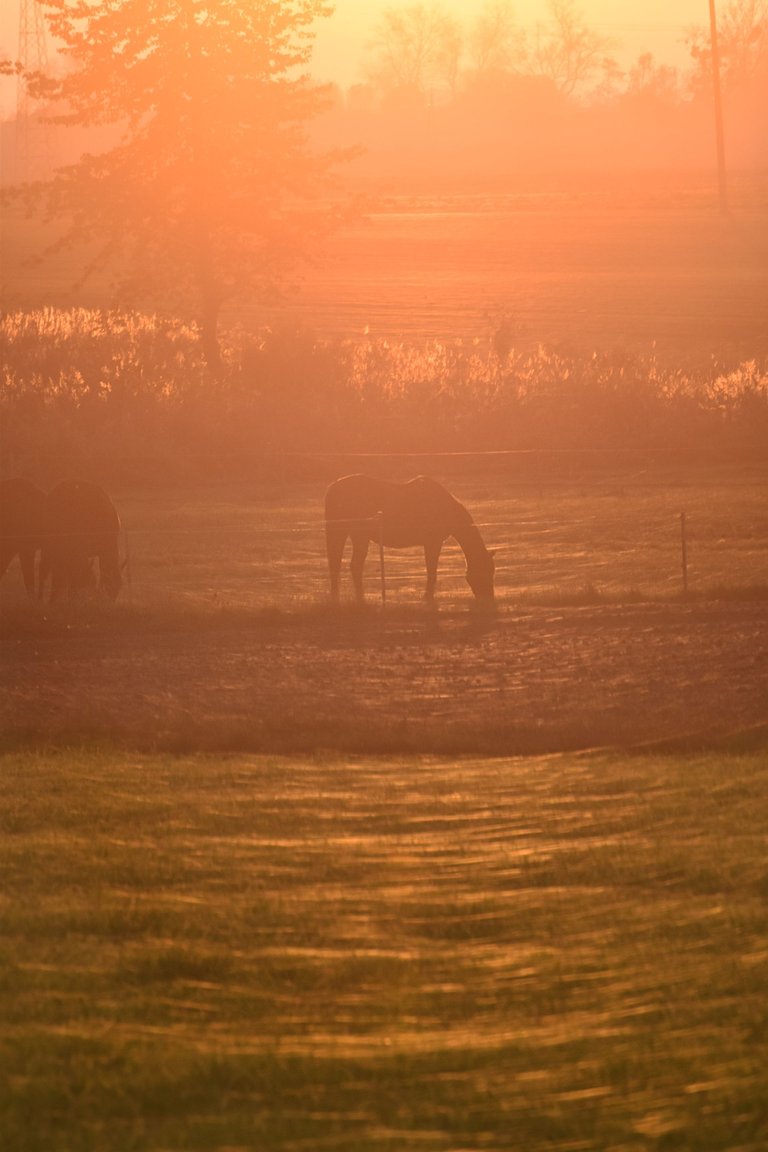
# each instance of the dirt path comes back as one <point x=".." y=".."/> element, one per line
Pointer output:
<point x="525" y="681"/>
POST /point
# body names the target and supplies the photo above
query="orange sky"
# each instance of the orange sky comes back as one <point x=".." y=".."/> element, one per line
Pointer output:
<point x="636" y="26"/>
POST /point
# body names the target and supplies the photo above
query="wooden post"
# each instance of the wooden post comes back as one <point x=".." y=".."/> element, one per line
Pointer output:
<point x="380" y="518"/>
<point x="684" y="545"/>
<point x="127" y="564"/>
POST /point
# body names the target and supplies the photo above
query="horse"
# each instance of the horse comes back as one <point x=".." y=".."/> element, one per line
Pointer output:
<point x="81" y="524"/>
<point x="418" y="512"/>
<point x="22" y="512"/>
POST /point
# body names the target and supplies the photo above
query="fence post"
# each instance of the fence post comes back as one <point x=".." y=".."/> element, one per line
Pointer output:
<point x="127" y="564"/>
<point x="684" y="547"/>
<point x="380" y="519"/>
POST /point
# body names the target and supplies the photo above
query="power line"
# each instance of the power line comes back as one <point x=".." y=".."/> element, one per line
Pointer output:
<point x="719" y="135"/>
<point x="33" y="140"/>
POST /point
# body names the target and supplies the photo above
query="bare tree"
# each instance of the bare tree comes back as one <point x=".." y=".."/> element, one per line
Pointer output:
<point x="415" y="49"/>
<point x="567" y="51"/>
<point x="496" y="42"/>
<point x="743" y="44"/>
<point x="649" y="81"/>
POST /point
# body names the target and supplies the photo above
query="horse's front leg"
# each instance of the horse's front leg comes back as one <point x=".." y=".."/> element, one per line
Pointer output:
<point x="432" y="551"/>
<point x="334" y="543"/>
<point x="359" y="553"/>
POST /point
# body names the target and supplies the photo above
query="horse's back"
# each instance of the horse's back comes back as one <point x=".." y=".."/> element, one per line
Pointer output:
<point x="414" y="511"/>
<point x="429" y="494"/>
<point x="356" y="496"/>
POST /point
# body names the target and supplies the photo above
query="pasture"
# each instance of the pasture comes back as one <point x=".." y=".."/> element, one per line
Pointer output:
<point x="423" y="936"/>
<point x="248" y="952"/>
<point x="283" y="875"/>
<point x="569" y="526"/>
<point x="225" y="637"/>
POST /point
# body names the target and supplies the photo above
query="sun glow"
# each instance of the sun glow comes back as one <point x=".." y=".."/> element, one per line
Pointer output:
<point x="655" y="26"/>
<point x="637" y="26"/>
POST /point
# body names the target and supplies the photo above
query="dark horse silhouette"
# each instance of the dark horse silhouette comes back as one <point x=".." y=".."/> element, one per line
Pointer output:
<point x="419" y="512"/>
<point x="81" y="525"/>
<point x="22" y="514"/>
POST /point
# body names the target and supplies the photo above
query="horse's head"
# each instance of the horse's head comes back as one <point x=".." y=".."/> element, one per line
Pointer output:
<point x="480" y="572"/>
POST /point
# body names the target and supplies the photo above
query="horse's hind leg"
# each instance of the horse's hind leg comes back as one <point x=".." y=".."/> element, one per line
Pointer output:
<point x="27" y="561"/>
<point x="432" y="551"/>
<point x="335" y="539"/>
<point x="359" y="553"/>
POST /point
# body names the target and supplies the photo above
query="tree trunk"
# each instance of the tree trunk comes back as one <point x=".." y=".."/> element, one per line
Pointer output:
<point x="210" y="304"/>
<point x="209" y="335"/>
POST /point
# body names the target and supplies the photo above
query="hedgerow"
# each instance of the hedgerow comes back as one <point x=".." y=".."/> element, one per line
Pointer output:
<point x="124" y="394"/>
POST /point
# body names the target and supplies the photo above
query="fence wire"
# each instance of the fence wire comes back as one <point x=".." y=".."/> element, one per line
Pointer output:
<point x="572" y="544"/>
<point x="578" y="556"/>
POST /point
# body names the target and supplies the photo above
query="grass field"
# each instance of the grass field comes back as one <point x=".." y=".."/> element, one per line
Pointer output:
<point x="335" y="950"/>
<point x="633" y="263"/>
<point x="569" y="528"/>
<point x="225" y="639"/>
<point x="611" y="533"/>
<point x="629" y="264"/>
<point x="401" y="953"/>
<point x="391" y="939"/>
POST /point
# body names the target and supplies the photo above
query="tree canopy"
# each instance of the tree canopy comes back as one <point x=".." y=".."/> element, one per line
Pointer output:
<point x="209" y="185"/>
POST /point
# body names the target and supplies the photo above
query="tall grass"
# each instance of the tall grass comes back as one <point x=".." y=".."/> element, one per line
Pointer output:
<point x="129" y="395"/>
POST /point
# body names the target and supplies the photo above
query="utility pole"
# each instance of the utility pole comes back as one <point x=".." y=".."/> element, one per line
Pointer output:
<point x="33" y="138"/>
<point x="719" y="134"/>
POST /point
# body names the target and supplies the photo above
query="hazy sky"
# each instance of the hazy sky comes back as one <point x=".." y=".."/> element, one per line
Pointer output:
<point x="657" y="26"/>
<point x="636" y="26"/>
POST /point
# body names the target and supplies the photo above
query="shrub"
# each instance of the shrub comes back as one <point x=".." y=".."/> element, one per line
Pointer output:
<point x="126" y="394"/>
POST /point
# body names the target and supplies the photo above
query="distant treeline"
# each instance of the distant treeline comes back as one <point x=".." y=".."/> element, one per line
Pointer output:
<point x="499" y="139"/>
<point x="502" y="139"/>
<point x="128" y="396"/>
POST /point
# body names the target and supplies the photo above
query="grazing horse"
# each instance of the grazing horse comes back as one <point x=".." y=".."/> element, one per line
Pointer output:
<point x="22" y="511"/>
<point x="419" y="512"/>
<point x="81" y="524"/>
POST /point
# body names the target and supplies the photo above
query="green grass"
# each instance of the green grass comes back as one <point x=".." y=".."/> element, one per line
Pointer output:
<point x="404" y="953"/>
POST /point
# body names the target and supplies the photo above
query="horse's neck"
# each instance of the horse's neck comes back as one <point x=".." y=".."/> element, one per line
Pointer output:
<point x="468" y="537"/>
